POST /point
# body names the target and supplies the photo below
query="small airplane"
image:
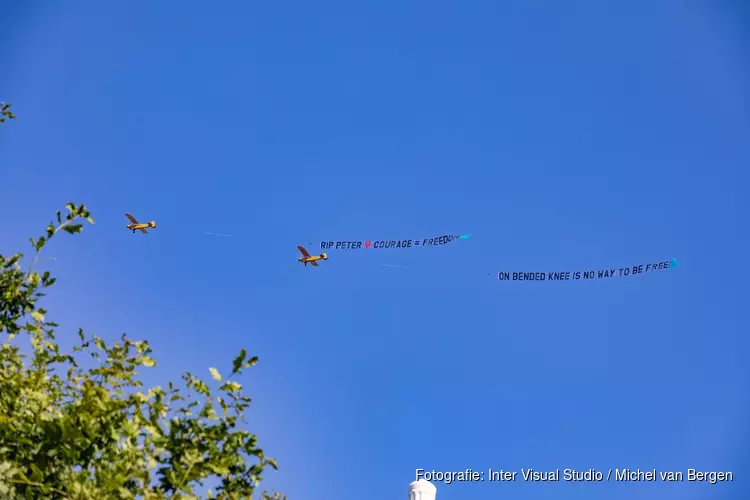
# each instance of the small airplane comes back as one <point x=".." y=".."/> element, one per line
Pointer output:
<point x="137" y="226"/>
<point x="312" y="259"/>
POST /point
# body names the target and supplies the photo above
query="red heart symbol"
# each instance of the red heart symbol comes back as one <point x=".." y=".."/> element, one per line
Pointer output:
<point x="367" y="244"/>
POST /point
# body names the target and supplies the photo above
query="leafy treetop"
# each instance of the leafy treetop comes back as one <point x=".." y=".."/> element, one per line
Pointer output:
<point x="94" y="433"/>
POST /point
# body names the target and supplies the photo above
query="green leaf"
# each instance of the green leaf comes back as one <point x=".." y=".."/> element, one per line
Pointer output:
<point x="38" y="316"/>
<point x="40" y="243"/>
<point x="231" y="387"/>
<point x="237" y="363"/>
<point x="148" y="361"/>
<point x="215" y="374"/>
<point x="73" y="228"/>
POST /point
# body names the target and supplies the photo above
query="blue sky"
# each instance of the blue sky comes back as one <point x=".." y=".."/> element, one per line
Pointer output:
<point x="564" y="137"/>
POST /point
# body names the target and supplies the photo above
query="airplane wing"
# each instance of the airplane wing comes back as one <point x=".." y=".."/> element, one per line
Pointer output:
<point x="303" y="251"/>
<point x="315" y="264"/>
<point x="144" y="231"/>
<point x="132" y="219"/>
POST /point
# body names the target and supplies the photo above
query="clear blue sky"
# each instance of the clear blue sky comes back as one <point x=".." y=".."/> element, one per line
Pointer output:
<point x="564" y="137"/>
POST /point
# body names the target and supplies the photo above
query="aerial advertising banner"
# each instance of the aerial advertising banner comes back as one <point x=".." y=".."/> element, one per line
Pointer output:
<point x="591" y="274"/>
<point x="424" y="242"/>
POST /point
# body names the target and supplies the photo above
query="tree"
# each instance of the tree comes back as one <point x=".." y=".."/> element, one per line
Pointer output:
<point x="5" y="112"/>
<point x="94" y="433"/>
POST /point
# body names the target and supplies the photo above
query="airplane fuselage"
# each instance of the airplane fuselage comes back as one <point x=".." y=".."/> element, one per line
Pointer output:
<point x="305" y="260"/>
<point x="312" y="258"/>
<point x="137" y="226"/>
